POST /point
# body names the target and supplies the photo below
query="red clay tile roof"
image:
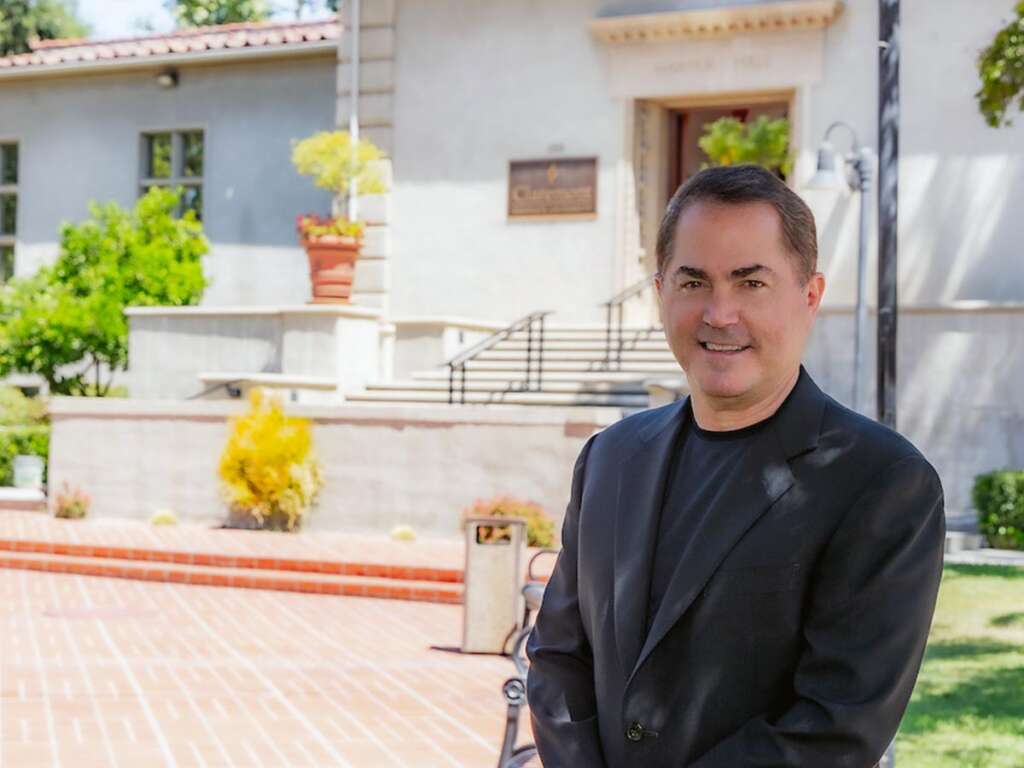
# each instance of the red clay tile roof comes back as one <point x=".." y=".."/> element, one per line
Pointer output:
<point x="227" y="36"/>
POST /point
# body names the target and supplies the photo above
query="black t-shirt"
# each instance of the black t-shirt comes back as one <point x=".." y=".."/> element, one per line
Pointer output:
<point x="701" y="467"/>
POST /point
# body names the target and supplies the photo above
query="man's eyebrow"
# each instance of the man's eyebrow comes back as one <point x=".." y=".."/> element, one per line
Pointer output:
<point x="747" y="271"/>
<point x="700" y="274"/>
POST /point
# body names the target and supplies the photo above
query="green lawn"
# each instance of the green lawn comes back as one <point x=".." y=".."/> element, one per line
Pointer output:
<point x="967" y="710"/>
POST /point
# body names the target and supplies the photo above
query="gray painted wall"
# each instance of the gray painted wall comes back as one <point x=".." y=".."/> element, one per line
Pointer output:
<point x="80" y="140"/>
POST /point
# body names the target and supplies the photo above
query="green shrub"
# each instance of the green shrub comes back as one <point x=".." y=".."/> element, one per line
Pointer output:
<point x="18" y="410"/>
<point x="999" y="499"/>
<point x="26" y="441"/>
<point x="66" y="321"/>
<point x="540" y="528"/>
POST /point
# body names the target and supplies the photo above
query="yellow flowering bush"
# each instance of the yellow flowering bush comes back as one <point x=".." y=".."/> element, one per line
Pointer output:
<point x="334" y="161"/>
<point x="269" y="472"/>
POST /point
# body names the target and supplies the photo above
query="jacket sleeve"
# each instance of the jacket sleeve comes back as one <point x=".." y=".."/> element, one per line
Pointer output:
<point x="560" y="683"/>
<point x="867" y="621"/>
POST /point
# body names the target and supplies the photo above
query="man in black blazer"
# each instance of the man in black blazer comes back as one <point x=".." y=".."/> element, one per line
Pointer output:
<point x="748" y="576"/>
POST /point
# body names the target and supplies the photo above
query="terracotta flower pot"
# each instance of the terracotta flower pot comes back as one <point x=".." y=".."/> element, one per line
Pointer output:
<point x="332" y="266"/>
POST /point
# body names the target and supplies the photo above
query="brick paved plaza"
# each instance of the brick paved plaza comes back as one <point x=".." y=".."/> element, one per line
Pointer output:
<point x="111" y="672"/>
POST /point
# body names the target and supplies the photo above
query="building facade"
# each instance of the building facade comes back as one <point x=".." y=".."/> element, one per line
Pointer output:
<point x="532" y="146"/>
<point x="213" y="111"/>
<point x="458" y="89"/>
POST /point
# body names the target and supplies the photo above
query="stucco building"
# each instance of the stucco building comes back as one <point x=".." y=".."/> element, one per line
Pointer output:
<point x="532" y="146"/>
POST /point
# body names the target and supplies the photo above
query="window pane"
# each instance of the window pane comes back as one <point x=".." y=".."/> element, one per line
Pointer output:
<point x="192" y="145"/>
<point x="9" y="164"/>
<point x="158" y="156"/>
<point x="6" y="263"/>
<point x="8" y="214"/>
<point x="193" y="200"/>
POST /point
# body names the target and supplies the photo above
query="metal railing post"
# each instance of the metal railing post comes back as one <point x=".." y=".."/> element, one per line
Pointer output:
<point x="608" y="332"/>
<point x="618" y="353"/>
<point x="540" y="355"/>
<point x="529" y="351"/>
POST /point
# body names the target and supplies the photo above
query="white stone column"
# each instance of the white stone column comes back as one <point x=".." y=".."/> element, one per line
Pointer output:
<point x="372" y="283"/>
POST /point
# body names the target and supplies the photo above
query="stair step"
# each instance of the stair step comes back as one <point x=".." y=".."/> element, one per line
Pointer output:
<point x="499" y="398"/>
<point x="593" y="345"/>
<point x="500" y="385"/>
<point x="592" y="328"/>
<point x="244" y="578"/>
<point x="551" y="355"/>
<point x="252" y="562"/>
<point x="582" y="366"/>
<point x="549" y="376"/>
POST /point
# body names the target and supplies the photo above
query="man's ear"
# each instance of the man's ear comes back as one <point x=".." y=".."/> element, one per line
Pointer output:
<point x="815" y="291"/>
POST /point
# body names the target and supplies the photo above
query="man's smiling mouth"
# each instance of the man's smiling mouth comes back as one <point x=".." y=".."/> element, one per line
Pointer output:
<point x="722" y="348"/>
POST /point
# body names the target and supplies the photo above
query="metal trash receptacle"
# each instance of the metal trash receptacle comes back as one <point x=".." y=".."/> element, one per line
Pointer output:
<point x="492" y="607"/>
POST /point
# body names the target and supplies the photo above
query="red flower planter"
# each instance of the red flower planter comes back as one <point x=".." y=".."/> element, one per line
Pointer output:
<point x="332" y="266"/>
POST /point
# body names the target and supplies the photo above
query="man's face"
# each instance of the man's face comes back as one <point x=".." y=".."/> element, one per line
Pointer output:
<point x="735" y="310"/>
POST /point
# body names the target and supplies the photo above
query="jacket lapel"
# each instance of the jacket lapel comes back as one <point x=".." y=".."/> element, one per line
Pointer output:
<point x="641" y="481"/>
<point x="754" y="486"/>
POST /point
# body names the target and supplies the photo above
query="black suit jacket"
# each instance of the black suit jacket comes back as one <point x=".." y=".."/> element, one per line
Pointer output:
<point x="793" y="628"/>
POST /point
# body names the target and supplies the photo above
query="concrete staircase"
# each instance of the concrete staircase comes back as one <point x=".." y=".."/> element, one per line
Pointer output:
<point x="574" y="372"/>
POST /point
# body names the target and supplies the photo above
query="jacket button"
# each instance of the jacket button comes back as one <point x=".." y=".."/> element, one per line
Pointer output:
<point x="635" y="732"/>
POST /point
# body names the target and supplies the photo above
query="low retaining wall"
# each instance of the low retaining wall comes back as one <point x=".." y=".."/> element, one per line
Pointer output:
<point x="384" y="465"/>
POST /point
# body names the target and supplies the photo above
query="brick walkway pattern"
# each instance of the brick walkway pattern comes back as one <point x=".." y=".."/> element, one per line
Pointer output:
<point x="108" y="672"/>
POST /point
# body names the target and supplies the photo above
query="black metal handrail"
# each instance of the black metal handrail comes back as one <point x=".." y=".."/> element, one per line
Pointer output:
<point x="528" y="322"/>
<point x="613" y="353"/>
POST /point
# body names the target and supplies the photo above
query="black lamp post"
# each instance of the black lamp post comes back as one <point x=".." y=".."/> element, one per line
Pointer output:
<point x="888" y="175"/>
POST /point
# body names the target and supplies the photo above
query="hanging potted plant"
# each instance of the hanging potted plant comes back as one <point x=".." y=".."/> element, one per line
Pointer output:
<point x="332" y="244"/>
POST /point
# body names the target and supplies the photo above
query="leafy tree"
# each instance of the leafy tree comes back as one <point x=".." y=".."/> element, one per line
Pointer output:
<point x="764" y="142"/>
<point x="301" y="5"/>
<point x="22" y="21"/>
<point x="205" y="13"/>
<point x="1001" y="68"/>
<point x="66" y="322"/>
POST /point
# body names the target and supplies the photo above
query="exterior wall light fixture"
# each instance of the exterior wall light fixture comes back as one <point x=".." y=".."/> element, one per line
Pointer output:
<point x="167" y="79"/>
<point x="854" y="170"/>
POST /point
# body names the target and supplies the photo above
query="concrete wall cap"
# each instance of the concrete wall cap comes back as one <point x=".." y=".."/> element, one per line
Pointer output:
<point x="205" y="410"/>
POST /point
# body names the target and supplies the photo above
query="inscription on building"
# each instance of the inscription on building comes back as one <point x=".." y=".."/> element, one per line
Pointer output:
<point x="552" y="188"/>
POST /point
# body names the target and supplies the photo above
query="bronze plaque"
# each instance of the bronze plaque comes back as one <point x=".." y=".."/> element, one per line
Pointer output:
<point x="566" y="187"/>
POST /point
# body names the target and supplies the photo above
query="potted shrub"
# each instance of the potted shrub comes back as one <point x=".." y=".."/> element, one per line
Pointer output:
<point x="332" y="244"/>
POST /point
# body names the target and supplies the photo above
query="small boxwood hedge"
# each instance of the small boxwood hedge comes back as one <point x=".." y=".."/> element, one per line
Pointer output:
<point x="999" y="499"/>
